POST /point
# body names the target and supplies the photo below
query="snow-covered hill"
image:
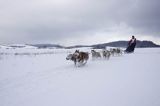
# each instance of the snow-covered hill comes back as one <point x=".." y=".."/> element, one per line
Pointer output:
<point x="17" y="46"/>
<point x="48" y="79"/>
<point x="5" y="47"/>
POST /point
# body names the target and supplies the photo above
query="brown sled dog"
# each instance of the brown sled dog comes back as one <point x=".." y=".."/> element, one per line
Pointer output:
<point x="78" y="57"/>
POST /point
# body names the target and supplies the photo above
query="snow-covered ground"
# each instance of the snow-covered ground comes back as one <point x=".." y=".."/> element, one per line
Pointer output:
<point x="42" y="77"/>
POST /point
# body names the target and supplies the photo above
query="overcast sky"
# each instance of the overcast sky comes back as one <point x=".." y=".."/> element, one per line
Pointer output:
<point x="70" y="22"/>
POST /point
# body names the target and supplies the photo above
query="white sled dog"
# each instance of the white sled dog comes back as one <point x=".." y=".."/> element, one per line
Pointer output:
<point x="106" y="54"/>
<point x="95" y="54"/>
<point x="116" y="51"/>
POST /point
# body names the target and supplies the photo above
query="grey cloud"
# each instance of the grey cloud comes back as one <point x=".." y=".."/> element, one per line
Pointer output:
<point x="32" y="20"/>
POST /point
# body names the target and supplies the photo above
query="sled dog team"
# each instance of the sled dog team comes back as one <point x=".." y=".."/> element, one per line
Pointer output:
<point x="81" y="58"/>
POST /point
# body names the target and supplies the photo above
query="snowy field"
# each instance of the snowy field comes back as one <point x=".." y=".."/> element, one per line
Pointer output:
<point x="43" y="77"/>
